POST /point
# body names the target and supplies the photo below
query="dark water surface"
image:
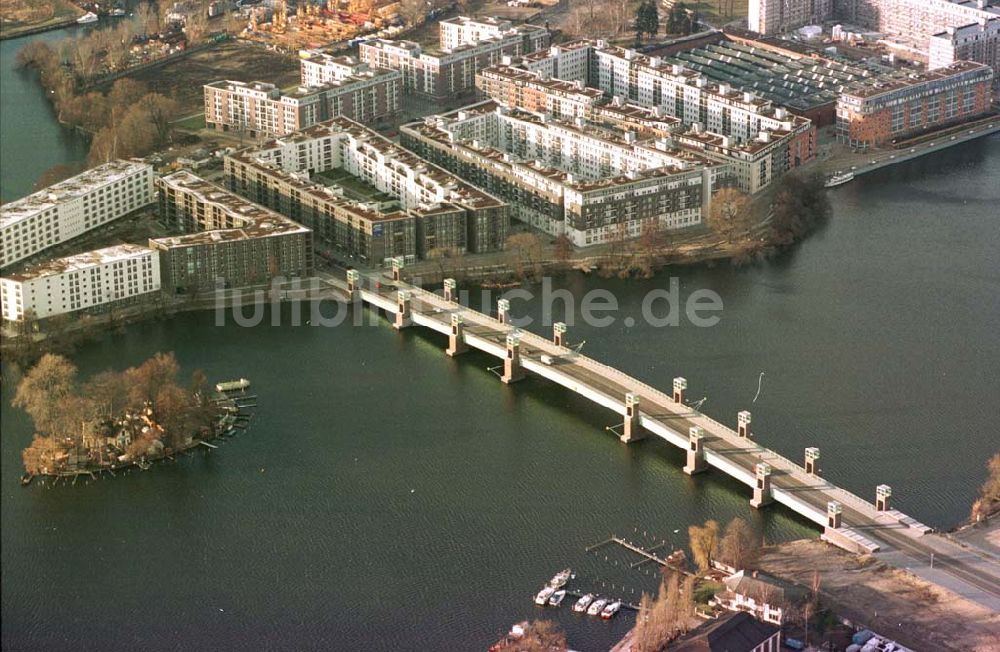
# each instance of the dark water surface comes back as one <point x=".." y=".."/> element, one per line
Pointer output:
<point x="31" y="141"/>
<point x="390" y="498"/>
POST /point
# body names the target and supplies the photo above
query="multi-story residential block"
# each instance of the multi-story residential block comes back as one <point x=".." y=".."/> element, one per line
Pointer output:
<point x="533" y="91"/>
<point x="95" y="281"/>
<point x="423" y="209"/>
<point x="234" y="243"/>
<point x="974" y="35"/>
<point x="261" y="109"/>
<point x="779" y="16"/>
<point x="72" y="207"/>
<point x="592" y="182"/>
<point x="979" y="41"/>
<point x="464" y="52"/>
<point x="877" y="113"/>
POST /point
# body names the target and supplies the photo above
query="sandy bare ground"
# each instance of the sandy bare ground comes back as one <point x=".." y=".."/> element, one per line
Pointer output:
<point x="891" y="602"/>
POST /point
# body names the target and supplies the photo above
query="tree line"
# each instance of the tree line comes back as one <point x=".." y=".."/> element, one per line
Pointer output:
<point x="127" y="121"/>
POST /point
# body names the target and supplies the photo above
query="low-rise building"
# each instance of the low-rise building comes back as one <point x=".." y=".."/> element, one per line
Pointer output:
<point x="420" y="209"/>
<point x="728" y="634"/>
<point x="231" y="241"/>
<point x="72" y="207"/>
<point x="261" y="109"/>
<point x="466" y="48"/>
<point x="766" y="598"/>
<point x="899" y="108"/>
<point x="95" y="281"/>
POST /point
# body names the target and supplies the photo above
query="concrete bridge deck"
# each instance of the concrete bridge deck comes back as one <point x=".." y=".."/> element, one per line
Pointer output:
<point x="859" y="526"/>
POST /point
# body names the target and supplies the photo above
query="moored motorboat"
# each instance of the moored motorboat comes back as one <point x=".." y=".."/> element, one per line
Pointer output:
<point x="559" y="579"/>
<point x="584" y="602"/>
<point x="89" y="17"/>
<point x="557" y="598"/>
<point x="544" y="595"/>
<point x="839" y="179"/>
<point x="609" y="611"/>
<point x="596" y="607"/>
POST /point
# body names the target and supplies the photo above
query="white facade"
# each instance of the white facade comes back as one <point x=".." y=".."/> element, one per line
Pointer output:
<point x="80" y="282"/>
<point x="72" y="207"/>
<point x="779" y="16"/>
<point x="462" y="30"/>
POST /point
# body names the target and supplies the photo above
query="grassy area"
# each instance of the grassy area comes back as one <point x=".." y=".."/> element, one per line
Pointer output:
<point x="354" y="188"/>
<point x="194" y="122"/>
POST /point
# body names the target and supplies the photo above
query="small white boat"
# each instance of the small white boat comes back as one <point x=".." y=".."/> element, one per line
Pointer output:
<point x="596" y="607"/>
<point x="584" y="602"/>
<point x="544" y="595"/>
<point x="117" y="11"/>
<point x="89" y="17"/>
<point x="839" y="179"/>
<point x="610" y="610"/>
<point x="559" y="579"/>
<point x="557" y="598"/>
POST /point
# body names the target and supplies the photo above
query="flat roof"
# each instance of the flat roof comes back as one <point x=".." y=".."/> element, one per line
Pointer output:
<point x="80" y="262"/>
<point x="68" y="189"/>
<point x="253" y="220"/>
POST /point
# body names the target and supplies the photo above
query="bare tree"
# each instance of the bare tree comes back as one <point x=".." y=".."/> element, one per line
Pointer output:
<point x="703" y="541"/>
<point x="739" y="545"/>
<point x="729" y="214"/>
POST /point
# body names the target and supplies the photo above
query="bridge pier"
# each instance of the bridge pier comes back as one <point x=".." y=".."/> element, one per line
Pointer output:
<point x="512" y="371"/>
<point x="403" y="316"/>
<point x="632" y="431"/>
<point x="762" y="489"/>
<point x="456" y="339"/>
<point x="353" y="284"/>
<point x="503" y="311"/>
<point x="559" y="333"/>
<point x="743" y="423"/>
<point x="680" y="384"/>
<point x="397" y="268"/>
<point x="450" y="290"/>
<point x="812" y="455"/>
<point x="695" y="452"/>
<point x="882" y="494"/>
<point x="834" y="510"/>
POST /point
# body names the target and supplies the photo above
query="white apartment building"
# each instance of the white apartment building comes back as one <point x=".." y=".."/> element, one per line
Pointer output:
<point x="924" y="24"/>
<point x="462" y="30"/>
<point x="592" y="182"/>
<point x="92" y="280"/>
<point x="979" y="41"/>
<point x="72" y="207"/>
<point x="779" y="16"/>
<point x="318" y="68"/>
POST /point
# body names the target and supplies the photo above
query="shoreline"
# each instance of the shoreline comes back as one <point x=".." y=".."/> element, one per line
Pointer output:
<point x="18" y="32"/>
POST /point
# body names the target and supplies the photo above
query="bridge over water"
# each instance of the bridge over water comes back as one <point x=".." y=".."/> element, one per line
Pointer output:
<point x="846" y="519"/>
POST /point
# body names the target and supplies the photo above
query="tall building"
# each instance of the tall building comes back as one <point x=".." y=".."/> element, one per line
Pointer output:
<point x="779" y="16"/>
<point x="948" y="30"/>
<point x="72" y="207"/>
<point x="233" y="243"/>
<point x="406" y="207"/>
<point x="877" y="113"/>
<point x="261" y="109"/>
<point x="90" y="282"/>
<point x="467" y="46"/>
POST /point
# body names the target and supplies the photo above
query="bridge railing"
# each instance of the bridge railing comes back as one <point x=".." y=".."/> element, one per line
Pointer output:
<point x="731" y="437"/>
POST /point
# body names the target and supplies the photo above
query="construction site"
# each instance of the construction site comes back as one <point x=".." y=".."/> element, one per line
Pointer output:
<point x="288" y="26"/>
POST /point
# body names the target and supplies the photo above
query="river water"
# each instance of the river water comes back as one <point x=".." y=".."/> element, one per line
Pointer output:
<point x="387" y="497"/>
<point x="32" y="140"/>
